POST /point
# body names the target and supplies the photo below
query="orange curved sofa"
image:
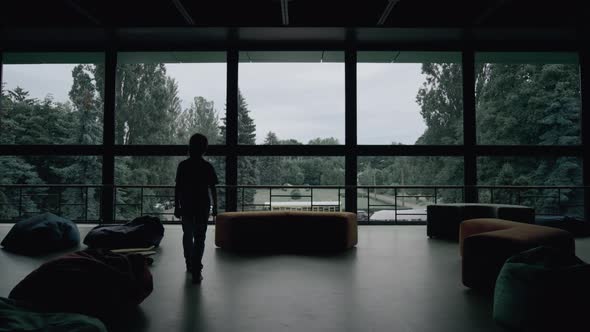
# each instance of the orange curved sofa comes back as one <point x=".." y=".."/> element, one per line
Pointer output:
<point x="486" y="243"/>
<point x="286" y="231"/>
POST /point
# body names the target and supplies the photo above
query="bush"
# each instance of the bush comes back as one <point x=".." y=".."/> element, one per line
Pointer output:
<point x="295" y="194"/>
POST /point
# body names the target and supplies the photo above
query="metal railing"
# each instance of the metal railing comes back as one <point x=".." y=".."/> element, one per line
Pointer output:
<point x="375" y="204"/>
<point x="79" y="202"/>
<point x="402" y="204"/>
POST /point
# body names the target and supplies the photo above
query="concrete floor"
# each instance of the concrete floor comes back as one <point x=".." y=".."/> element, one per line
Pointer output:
<point x="395" y="280"/>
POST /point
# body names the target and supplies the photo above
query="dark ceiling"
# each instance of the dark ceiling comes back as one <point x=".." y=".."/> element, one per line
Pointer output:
<point x="293" y="13"/>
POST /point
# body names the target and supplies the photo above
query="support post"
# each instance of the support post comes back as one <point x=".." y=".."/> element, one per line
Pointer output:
<point x="350" y="176"/>
<point x="469" y="124"/>
<point x="231" y="132"/>
<point x="108" y="157"/>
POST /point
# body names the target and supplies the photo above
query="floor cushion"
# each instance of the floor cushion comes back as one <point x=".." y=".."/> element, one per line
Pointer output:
<point x="444" y="220"/>
<point x="16" y="316"/>
<point x="487" y="243"/>
<point x="141" y="232"/>
<point x="543" y="289"/>
<point x="42" y="234"/>
<point x="286" y="231"/>
<point x="577" y="226"/>
<point x="92" y="282"/>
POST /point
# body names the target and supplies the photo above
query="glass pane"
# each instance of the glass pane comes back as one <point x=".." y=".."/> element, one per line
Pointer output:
<point x="297" y="180"/>
<point x="52" y="98"/>
<point x="291" y="98"/>
<point x="532" y="181"/>
<point x="527" y="98"/>
<point x="64" y="185"/>
<point x="409" y="98"/>
<point x="165" y="97"/>
<point x="145" y="185"/>
<point x="398" y="189"/>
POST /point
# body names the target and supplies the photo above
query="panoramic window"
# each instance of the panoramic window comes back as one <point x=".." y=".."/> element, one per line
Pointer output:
<point x="295" y="176"/>
<point x="409" y="98"/>
<point x="65" y="185"/>
<point x="165" y="97"/>
<point x="528" y="181"/>
<point x="52" y="98"/>
<point x="145" y="185"/>
<point x="407" y="201"/>
<point x="527" y="98"/>
<point x="291" y="98"/>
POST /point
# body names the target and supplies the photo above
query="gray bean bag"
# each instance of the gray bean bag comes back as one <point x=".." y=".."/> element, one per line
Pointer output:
<point x="15" y="316"/>
<point x="42" y="234"/>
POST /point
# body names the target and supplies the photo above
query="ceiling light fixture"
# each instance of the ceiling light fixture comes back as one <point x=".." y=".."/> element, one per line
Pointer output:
<point x="387" y="11"/>
<point x="285" y="11"/>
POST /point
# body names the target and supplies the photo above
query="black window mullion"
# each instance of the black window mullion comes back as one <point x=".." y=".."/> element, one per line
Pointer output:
<point x="469" y="130"/>
<point x="350" y="167"/>
<point x="231" y="132"/>
<point x="108" y="158"/>
<point x="584" y="58"/>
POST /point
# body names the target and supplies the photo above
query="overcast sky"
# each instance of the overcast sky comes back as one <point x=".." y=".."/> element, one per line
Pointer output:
<point x="295" y="100"/>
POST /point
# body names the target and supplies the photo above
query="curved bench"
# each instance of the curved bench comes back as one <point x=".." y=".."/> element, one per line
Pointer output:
<point x="286" y="231"/>
<point x="444" y="219"/>
<point x="486" y="244"/>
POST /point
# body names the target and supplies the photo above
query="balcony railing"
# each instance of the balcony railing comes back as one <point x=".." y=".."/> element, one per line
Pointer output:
<point x="375" y="204"/>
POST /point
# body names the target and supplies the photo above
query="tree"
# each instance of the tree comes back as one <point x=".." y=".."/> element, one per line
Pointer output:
<point x="515" y="104"/>
<point x="87" y="130"/>
<point x="247" y="174"/>
<point x="441" y="104"/>
<point x="147" y="111"/>
<point x="324" y="141"/>
<point x="269" y="168"/>
<point x="201" y="118"/>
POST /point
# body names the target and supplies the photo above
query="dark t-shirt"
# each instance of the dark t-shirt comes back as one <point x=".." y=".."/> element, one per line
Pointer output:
<point x="193" y="178"/>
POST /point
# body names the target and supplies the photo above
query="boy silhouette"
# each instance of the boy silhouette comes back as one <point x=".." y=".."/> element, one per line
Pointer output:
<point x="195" y="179"/>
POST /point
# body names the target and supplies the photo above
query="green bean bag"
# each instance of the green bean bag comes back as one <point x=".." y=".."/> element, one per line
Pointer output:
<point x="543" y="289"/>
<point x="15" y="316"/>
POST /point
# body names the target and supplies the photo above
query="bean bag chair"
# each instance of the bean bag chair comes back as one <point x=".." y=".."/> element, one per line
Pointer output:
<point x="543" y="289"/>
<point x="141" y="232"/>
<point x="16" y="316"/>
<point x="97" y="283"/>
<point x="577" y="226"/>
<point x="42" y="234"/>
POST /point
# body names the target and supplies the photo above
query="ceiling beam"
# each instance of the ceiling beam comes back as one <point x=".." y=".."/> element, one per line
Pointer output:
<point x="183" y="12"/>
<point x="489" y="11"/>
<point x="82" y="11"/>
<point x="387" y="11"/>
<point x="285" y="12"/>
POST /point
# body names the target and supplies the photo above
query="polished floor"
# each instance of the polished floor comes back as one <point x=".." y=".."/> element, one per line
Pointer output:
<point x="395" y="280"/>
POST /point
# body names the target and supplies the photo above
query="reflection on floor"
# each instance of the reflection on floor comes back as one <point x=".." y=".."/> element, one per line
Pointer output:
<point x="395" y="280"/>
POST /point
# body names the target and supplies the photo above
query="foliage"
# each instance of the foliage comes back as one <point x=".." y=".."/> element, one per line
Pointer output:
<point x="515" y="104"/>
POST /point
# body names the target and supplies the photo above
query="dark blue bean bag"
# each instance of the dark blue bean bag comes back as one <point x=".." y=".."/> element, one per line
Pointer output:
<point x="42" y="234"/>
<point x="141" y="232"/>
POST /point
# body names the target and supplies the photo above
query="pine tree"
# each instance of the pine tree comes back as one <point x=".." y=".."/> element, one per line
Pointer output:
<point x="246" y="136"/>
